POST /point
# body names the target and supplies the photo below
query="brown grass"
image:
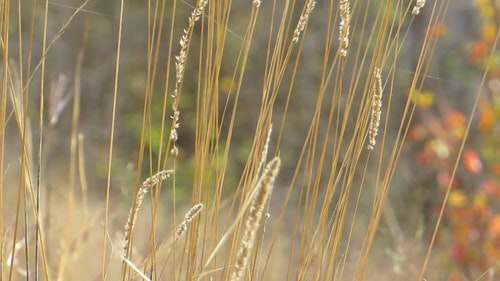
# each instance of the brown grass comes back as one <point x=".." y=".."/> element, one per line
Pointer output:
<point x="232" y="68"/>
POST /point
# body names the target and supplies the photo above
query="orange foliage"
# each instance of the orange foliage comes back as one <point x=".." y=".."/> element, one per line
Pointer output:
<point x="455" y="122"/>
<point x="494" y="226"/>
<point x="455" y="276"/>
<point x="478" y="51"/>
<point x="495" y="169"/>
<point x="472" y="162"/>
<point x="486" y="117"/>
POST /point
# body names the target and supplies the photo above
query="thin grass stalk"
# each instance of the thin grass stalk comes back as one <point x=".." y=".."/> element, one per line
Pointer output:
<point x="403" y="130"/>
<point x="3" y="106"/>
<point x="330" y="256"/>
<point x="381" y="196"/>
<point x="82" y="174"/>
<point x="336" y="222"/>
<point x="25" y="161"/>
<point x="154" y="49"/>
<point x="148" y="96"/>
<point x="105" y="261"/>
<point x="245" y="205"/>
<point x="5" y="79"/>
<point x="136" y="269"/>
<point x="306" y="10"/>
<point x="301" y="25"/>
<point x="349" y="102"/>
<point x="237" y="78"/>
<point x="180" y="66"/>
<point x="40" y="144"/>
<point x="311" y="144"/>
<point x="332" y="184"/>
<point x="312" y="197"/>
<point x="164" y="157"/>
<point x="28" y="70"/>
<point x="407" y="112"/>
<point x="208" y="71"/>
<point x="374" y="100"/>
<point x="209" y="124"/>
<point x="280" y="65"/>
<point x="339" y="273"/>
<point x="25" y="188"/>
<point x="264" y="116"/>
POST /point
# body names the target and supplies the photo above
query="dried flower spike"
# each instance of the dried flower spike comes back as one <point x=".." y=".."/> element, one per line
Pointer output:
<point x="132" y="216"/>
<point x="344" y="26"/>
<point x="180" y="62"/>
<point x="264" y="187"/>
<point x="304" y="18"/>
<point x="376" y="108"/>
<point x="190" y="215"/>
<point x="419" y="5"/>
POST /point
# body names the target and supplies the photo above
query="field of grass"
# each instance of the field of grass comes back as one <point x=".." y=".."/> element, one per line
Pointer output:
<point x="215" y="140"/>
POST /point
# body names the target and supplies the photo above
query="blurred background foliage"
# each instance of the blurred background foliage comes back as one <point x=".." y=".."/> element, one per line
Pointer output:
<point x="470" y="234"/>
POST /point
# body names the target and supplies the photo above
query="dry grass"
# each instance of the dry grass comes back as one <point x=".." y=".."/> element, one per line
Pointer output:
<point x="240" y="66"/>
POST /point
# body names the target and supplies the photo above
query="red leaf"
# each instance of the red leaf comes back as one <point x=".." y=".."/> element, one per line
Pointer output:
<point x="458" y="252"/>
<point x="491" y="188"/>
<point x="472" y="162"/>
<point x="444" y="179"/>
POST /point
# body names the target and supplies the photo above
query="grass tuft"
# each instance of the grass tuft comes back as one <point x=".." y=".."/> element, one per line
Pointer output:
<point x="240" y="72"/>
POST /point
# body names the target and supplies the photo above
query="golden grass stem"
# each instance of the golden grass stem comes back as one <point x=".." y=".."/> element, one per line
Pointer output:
<point x="134" y="267"/>
<point x="111" y="143"/>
